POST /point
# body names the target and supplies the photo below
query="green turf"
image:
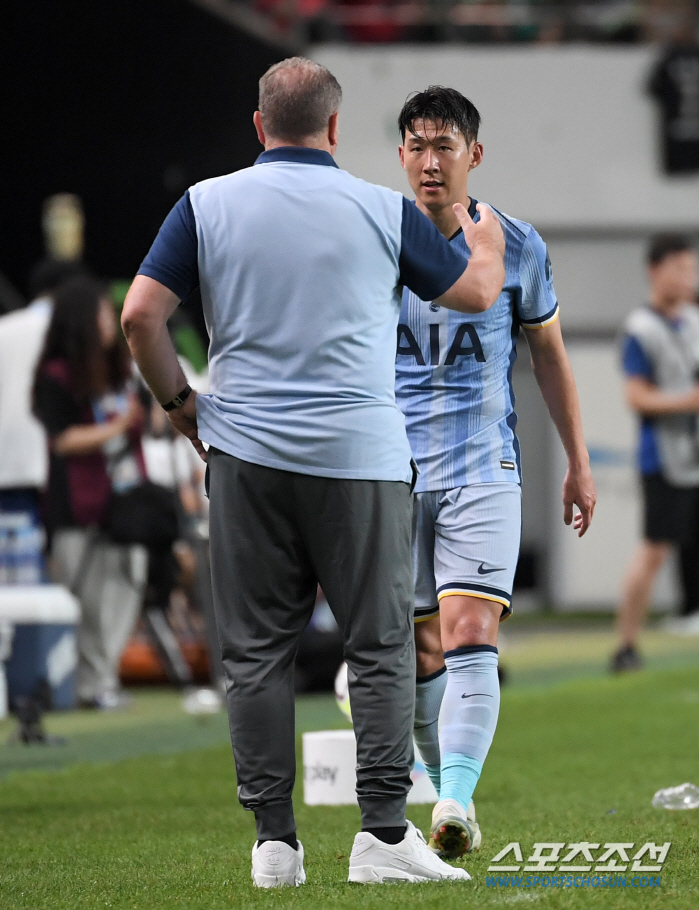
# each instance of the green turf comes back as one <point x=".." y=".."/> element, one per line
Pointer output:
<point x="165" y="830"/>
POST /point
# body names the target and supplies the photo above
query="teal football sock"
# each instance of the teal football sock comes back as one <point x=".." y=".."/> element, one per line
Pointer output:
<point x="468" y="719"/>
<point x="429" y="691"/>
<point x="459" y="775"/>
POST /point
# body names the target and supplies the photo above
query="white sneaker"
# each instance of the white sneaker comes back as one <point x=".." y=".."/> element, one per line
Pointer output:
<point x="409" y="861"/>
<point x="275" y="864"/>
<point x="454" y="830"/>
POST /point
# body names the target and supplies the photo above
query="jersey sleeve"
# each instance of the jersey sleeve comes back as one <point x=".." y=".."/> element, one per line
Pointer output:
<point x="173" y="259"/>
<point x="537" y="305"/>
<point x="634" y="360"/>
<point x="429" y="264"/>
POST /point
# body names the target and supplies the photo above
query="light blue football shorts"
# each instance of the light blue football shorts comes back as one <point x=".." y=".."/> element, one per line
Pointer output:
<point x="466" y="541"/>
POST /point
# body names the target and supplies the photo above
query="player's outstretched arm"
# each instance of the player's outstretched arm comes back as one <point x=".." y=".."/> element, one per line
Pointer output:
<point x="554" y="376"/>
<point x="479" y="286"/>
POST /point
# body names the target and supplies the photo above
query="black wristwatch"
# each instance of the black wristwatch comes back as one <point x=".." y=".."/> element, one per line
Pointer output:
<point x="178" y="400"/>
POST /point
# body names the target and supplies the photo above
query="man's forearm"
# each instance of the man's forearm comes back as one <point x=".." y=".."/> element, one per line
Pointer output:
<point x="480" y="284"/>
<point x="649" y="401"/>
<point x="157" y="360"/>
<point x="554" y="376"/>
<point x="82" y="439"/>
<point x="147" y="307"/>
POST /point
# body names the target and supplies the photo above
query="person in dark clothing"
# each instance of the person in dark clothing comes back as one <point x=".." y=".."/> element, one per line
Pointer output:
<point x="84" y="396"/>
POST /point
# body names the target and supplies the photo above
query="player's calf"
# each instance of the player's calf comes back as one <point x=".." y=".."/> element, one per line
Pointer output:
<point x="429" y="690"/>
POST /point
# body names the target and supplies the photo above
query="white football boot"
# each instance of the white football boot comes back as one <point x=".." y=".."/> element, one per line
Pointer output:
<point x="275" y="864"/>
<point x="454" y="830"/>
<point x="373" y="861"/>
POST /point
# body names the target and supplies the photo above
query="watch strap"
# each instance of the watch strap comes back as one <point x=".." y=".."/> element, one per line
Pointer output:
<point x="178" y="400"/>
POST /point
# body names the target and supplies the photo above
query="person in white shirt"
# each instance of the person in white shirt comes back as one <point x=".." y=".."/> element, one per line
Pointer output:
<point x="23" y="452"/>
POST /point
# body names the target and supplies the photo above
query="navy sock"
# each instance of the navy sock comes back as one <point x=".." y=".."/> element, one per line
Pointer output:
<point x="289" y="839"/>
<point x="388" y="835"/>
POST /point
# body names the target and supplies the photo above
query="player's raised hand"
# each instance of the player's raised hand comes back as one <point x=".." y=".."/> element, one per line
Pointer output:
<point x="481" y="283"/>
<point x="487" y="230"/>
<point x="579" y="490"/>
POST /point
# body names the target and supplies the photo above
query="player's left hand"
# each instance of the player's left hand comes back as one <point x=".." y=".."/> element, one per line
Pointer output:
<point x="579" y="490"/>
<point x="184" y="420"/>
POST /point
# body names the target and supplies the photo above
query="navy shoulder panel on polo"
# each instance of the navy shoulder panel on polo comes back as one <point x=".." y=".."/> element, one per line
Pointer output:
<point x="429" y="264"/>
<point x="173" y="258"/>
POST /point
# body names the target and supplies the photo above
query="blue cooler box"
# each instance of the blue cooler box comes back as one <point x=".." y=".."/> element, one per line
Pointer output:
<point x="44" y="645"/>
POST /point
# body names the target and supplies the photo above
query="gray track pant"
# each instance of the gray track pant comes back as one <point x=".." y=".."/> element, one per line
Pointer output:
<point x="273" y="533"/>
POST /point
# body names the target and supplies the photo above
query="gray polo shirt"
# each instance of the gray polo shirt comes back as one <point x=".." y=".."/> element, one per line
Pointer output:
<point x="301" y="267"/>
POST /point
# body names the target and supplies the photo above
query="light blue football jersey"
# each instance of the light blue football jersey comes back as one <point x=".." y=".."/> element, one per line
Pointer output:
<point x="454" y="370"/>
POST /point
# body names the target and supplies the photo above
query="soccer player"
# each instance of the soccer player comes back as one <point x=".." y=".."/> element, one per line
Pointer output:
<point x="454" y="385"/>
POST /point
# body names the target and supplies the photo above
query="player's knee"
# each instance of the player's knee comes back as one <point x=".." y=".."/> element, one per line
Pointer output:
<point x="428" y="659"/>
<point x="428" y="662"/>
<point x="429" y="654"/>
<point x="471" y="632"/>
<point x="469" y="621"/>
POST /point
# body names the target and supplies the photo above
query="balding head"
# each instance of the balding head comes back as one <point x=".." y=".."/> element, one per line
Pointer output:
<point x="297" y="99"/>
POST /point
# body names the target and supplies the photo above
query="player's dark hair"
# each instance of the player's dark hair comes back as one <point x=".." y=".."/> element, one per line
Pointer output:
<point x="440" y="105"/>
<point x="297" y="98"/>
<point x="664" y="245"/>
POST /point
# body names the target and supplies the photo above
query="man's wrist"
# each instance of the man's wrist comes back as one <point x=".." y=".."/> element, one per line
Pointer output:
<point x="178" y="400"/>
<point x="579" y="461"/>
<point x="487" y="248"/>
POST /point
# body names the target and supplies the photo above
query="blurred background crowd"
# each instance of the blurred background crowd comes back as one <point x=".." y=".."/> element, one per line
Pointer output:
<point x="100" y="496"/>
<point x="479" y="21"/>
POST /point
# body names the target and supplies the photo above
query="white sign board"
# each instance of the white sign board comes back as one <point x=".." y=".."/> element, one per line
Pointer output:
<point x="329" y="771"/>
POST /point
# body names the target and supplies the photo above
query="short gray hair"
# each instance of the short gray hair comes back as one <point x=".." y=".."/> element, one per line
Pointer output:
<point x="297" y="98"/>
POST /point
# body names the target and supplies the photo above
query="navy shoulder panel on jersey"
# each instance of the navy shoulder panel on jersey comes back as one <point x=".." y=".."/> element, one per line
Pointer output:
<point x="522" y="228"/>
<point x="173" y="258"/>
<point x="526" y="255"/>
<point x="429" y="265"/>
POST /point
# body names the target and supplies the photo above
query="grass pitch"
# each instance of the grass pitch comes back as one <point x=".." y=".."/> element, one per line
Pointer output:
<point x="573" y="760"/>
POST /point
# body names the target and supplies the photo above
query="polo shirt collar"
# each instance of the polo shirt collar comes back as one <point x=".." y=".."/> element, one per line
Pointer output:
<point x="298" y="155"/>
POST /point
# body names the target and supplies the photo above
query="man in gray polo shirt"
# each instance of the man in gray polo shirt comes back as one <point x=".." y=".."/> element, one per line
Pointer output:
<point x="300" y="267"/>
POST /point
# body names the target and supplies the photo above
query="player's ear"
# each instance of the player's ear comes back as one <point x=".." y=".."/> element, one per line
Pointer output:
<point x="257" y="120"/>
<point x="476" y="155"/>
<point x="401" y="155"/>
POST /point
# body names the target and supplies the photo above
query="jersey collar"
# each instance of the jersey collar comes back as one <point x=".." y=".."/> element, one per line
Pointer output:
<point x="298" y="155"/>
<point x="473" y="212"/>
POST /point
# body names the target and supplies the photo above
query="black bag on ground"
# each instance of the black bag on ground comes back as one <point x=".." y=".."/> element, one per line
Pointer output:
<point x="146" y="514"/>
